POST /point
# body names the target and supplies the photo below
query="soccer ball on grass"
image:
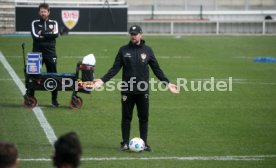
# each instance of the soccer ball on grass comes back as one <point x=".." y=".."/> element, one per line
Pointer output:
<point x="136" y="144"/>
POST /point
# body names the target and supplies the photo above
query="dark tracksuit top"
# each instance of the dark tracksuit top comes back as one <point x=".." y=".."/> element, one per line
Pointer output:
<point x="46" y="41"/>
<point x="135" y="60"/>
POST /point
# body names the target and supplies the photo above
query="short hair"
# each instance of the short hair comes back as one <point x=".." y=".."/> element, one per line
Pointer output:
<point x="8" y="154"/>
<point x="67" y="150"/>
<point x="44" y="6"/>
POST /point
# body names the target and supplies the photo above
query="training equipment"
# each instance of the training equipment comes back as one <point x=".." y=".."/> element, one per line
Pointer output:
<point x="34" y="63"/>
<point x="37" y="80"/>
<point x="136" y="144"/>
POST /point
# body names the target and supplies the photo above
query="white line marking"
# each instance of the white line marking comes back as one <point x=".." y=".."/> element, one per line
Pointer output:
<point x="48" y="130"/>
<point x="97" y="57"/>
<point x="255" y="83"/>
<point x="243" y="57"/>
<point x="235" y="81"/>
<point x="215" y="79"/>
<point x="68" y="57"/>
<point x="238" y="81"/>
<point x="14" y="56"/>
<point x="9" y="79"/>
<point x="104" y="57"/>
<point x="174" y="57"/>
<point x="222" y="158"/>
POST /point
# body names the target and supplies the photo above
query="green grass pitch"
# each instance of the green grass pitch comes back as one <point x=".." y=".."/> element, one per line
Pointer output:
<point x="241" y="122"/>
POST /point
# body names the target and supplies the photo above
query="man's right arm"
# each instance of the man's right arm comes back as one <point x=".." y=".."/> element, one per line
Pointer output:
<point x="36" y="30"/>
<point x="111" y="72"/>
<point x="118" y="63"/>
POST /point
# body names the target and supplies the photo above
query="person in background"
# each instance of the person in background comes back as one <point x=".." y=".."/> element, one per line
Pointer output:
<point x="68" y="151"/>
<point x="8" y="155"/>
<point x="44" y="32"/>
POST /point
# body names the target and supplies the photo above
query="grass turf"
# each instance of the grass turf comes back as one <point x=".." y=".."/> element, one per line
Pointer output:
<point x="241" y="122"/>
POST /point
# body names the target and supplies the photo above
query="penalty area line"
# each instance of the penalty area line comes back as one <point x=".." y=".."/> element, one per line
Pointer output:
<point x="48" y="130"/>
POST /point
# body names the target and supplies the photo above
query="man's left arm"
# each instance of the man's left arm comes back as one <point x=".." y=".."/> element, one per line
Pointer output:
<point x="52" y="31"/>
<point x="160" y="74"/>
<point x="156" y="68"/>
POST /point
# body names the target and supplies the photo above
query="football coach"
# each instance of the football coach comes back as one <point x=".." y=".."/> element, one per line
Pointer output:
<point x="135" y="58"/>
<point x="44" y="32"/>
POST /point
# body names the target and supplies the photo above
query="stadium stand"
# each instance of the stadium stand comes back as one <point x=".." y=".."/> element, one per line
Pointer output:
<point x="179" y="17"/>
<point x="7" y="16"/>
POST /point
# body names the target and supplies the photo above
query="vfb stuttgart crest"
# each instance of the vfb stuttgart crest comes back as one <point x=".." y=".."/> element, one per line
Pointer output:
<point x="124" y="97"/>
<point x="70" y="18"/>
<point x="143" y="56"/>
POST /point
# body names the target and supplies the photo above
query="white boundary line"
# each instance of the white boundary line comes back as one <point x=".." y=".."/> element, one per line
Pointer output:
<point x="235" y="81"/>
<point x="48" y="130"/>
<point x="9" y="79"/>
<point x="191" y="158"/>
<point x="255" y="83"/>
<point x="106" y="57"/>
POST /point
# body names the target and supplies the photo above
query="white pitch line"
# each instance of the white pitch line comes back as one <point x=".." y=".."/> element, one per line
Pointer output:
<point x="173" y="57"/>
<point x="97" y="57"/>
<point x="67" y="57"/>
<point x="255" y="83"/>
<point x="48" y="130"/>
<point x="9" y="79"/>
<point x="243" y="57"/>
<point x="215" y="79"/>
<point x="15" y="56"/>
<point x="235" y="81"/>
<point x="219" y="158"/>
<point x="158" y="57"/>
<point x="105" y="57"/>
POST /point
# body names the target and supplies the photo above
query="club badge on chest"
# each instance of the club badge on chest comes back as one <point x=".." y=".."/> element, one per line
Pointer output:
<point x="51" y="27"/>
<point x="143" y="56"/>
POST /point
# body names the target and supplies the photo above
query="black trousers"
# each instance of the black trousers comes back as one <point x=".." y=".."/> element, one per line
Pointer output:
<point x="51" y="66"/>
<point x="142" y="103"/>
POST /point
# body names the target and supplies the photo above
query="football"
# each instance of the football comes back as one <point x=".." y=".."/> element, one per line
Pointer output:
<point x="136" y="144"/>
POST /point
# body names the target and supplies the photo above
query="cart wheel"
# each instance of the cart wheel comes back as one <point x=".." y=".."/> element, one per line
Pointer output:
<point x="80" y="99"/>
<point x="75" y="103"/>
<point x="29" y="102"/>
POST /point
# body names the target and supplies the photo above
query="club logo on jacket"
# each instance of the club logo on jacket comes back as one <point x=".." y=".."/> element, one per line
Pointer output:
<point x="146" y="96"/>
<point x="127" y="55"/>
<point x="124" y="97"/>
<point x="143" y="56"/>
<point x="70" y="18"/>
<point x="51" y="27"/>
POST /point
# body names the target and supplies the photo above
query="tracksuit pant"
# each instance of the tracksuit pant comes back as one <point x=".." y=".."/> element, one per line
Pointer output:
<point x="142" y="104"/>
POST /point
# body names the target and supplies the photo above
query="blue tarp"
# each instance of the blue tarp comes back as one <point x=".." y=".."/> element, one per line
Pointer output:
<point x="265" y="59"/>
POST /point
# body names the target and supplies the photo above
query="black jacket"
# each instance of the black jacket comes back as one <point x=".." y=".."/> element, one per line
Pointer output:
<point x="45" y="41"/>
<point x="135" y="60"/>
